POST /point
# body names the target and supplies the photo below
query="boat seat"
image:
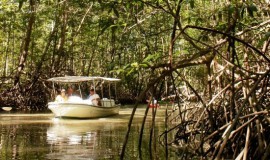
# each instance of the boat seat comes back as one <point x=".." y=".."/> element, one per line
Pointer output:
<point x="105" y="102"/>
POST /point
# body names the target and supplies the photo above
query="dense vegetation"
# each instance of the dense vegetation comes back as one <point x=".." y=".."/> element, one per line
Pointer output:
<point x="217" y="50"/>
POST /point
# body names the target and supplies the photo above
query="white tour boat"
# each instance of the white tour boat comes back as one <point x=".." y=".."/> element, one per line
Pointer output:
<point x="76" y="107"/>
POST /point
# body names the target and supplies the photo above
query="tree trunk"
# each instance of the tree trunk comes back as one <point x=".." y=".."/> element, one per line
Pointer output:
<point x="60" y="52"/>
<point x="25" y="44"/>
<point x="43" y="57"/>
<point x="5" y="70"/>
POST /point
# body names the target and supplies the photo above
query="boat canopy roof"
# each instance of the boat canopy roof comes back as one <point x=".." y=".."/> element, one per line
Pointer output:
<point x="78" y="79"/>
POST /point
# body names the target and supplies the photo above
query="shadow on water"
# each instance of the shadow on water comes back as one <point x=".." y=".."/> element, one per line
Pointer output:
<point x="41" y="136"/>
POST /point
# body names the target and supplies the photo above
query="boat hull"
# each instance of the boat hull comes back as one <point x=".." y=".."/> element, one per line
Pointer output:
<point x="81" y="110"/>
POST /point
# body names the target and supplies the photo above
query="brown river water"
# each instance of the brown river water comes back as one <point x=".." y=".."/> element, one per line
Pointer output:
<point x="27" y="136"/>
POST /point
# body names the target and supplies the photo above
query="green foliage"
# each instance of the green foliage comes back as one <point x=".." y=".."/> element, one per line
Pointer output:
<point x="264" y="39"/>
<point x="129" y="39"/>
<point x="191" y="3"/>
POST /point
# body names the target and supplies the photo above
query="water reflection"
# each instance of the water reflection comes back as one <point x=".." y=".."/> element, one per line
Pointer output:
<point x="67" y="142"/>
<point x="82" y="139"/>
<point x="40" y="136"/>
<point x="71" y="135"/>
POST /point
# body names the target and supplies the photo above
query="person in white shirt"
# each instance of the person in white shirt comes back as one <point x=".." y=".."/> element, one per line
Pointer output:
<point x="61" y="97"/>
<point x="94" y="98"/>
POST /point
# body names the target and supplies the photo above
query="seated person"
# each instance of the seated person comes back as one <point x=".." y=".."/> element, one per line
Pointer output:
<point x="94" y="98"/>
<point x="70" y="92"/>
<point x="61" y="97"/>
<point x="73" y="97"/>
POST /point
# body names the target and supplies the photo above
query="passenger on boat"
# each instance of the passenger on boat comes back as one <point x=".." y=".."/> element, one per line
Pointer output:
<point x="73" y="97"/>
<point x="61" y="97"/>
<point x="70" y="92"/>
<point x="94" y="98"/>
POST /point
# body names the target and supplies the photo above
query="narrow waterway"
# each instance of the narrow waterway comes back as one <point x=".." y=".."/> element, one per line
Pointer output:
<point x="25" y="136"/>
